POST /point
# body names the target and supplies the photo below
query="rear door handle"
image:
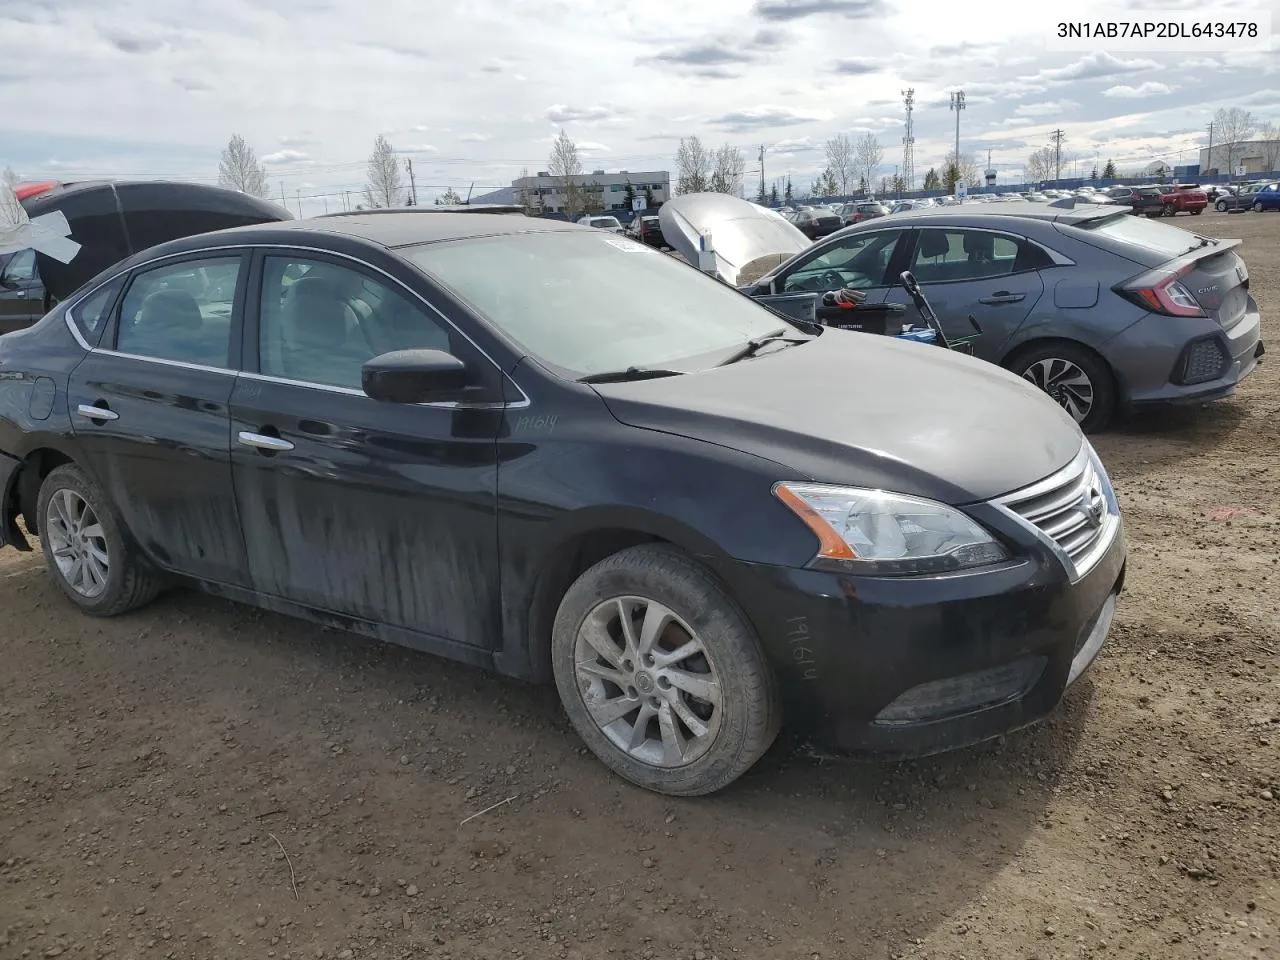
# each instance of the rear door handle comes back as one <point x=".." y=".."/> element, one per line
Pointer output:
<point x="1003" y="296"/>
<point x="100" y="414"/>
<point x="262" y="442"/>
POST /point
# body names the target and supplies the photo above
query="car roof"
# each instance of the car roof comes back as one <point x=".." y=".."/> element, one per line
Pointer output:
<point x="1005" y="214"/>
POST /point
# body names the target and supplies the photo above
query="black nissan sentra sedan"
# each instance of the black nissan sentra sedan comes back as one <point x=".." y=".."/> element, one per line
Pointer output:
<point x="470" y="435"/>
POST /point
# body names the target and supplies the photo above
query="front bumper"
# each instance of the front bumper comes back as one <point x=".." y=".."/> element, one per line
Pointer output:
<point x="896" y="668"/>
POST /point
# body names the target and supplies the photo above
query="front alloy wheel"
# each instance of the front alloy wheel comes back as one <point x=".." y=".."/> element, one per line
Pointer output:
<point x="662" y="674"/>
<point x="647" y="681"/>
<point x="1066" y="383"/>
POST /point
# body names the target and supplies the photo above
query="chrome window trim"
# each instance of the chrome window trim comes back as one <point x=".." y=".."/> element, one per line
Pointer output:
<point x="1085" y="459"/>
<point x="523" y="402"/>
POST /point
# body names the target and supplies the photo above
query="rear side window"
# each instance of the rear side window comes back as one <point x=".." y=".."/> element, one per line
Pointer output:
<point x="181" y="312"/>
<point x="90" y="314"/>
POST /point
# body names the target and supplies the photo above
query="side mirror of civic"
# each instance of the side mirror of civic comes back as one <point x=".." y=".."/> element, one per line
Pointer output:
<point x="414" y="376"/>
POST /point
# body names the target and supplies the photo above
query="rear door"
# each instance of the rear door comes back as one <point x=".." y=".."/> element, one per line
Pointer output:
<point x="989" y="275"/>
<point x="21" y="291"/>
<point x="149" y="408"/>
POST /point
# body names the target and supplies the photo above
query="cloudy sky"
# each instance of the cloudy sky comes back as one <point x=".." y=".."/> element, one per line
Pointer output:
<point x="475" y="91"/>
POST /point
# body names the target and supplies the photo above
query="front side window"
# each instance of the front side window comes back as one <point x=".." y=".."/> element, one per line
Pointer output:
<point x="319" y="322"/>
<point x="857" y="262"/>
<point x="590" y="303"/>
<point x="950" y="255"/>
<point x="181" y="311"/>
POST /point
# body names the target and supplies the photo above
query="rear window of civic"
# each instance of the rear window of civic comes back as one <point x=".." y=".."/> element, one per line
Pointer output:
<point x="1149" y="234"/>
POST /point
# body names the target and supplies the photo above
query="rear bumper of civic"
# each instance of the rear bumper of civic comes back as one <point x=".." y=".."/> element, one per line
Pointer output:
<point x="897" y="668"/>
<point x="1179" y="360"/>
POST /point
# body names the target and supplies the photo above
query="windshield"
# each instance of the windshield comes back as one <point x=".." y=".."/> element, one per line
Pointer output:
<point x="605" y="222"/>
<point x="1143" y="232"/>
<point x="588" y="303"/>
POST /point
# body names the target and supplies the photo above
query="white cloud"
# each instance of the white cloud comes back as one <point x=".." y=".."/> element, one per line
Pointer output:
<point x="795" y="84"/>
<point x="1151" y="88"/>
<point x="286" y="156"/>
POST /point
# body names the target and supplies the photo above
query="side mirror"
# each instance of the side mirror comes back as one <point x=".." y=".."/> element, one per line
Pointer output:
<point x="414" y="376"/>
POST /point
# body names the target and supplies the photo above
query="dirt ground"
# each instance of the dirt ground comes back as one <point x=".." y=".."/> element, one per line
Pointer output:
<point x="202" y="780"/>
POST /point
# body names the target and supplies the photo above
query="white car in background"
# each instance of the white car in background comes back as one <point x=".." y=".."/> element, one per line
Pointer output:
<point x="602" y="223"/>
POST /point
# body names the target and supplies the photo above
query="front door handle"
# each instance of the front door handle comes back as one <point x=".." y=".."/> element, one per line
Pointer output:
<point x="1003" y="296"/>
<point x="260" y="441"/>
<point x="22" y="294"/>
<point x="100" y="414"/>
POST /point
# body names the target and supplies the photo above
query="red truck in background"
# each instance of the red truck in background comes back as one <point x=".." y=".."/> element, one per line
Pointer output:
<point x="1183" y="197"/>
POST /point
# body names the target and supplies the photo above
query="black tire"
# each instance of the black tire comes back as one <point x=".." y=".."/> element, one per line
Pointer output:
<point x="750" y="713"/>
<point x="1197" y="211"/>
<point x="1101" y="380"/>
<point x="1221" y="206"/>
<point x="128" y="582"/>
<point x="1257" y="206"/>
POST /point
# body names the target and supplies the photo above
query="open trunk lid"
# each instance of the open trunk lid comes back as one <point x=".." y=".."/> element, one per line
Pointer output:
<point x="749" y="239"/>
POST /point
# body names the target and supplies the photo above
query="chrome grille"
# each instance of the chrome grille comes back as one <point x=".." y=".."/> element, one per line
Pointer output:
<point x="1074" y="509"/>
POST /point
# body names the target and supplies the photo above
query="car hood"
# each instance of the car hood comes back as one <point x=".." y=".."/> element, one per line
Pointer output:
<point x="743" y="233"/>
<point x="866" y="410"/>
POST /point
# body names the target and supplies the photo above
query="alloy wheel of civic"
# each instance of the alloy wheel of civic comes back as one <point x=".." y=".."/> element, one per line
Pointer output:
<point x="1066" y="383"/>
<point x="79" y="543"/>
<point x="648" y="682"/>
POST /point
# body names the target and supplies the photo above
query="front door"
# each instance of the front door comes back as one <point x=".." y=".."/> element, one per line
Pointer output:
<point x="149" y="409"/>
<point x="858" y="261"/>
<point x="377" y="511"/>
<point x="965" y="272"/>
<point x="21" y="292"/>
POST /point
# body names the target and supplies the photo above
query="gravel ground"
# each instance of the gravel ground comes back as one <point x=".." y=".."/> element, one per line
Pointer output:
<point x="202" y="780"/>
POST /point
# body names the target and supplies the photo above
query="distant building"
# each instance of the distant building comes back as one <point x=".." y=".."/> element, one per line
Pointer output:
<point x="1256" y="156"/>
<point x="545" y="193"/>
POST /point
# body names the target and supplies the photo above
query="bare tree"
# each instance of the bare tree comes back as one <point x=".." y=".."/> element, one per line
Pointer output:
<point x="384" y="187"/>
<point x="868" y="157"/>
<point x="693" y="166"/>
<point x="566" y="167"/>
<point x="11" y="212"/>
<point x="842" y="161"/>
<point x="726" y="177"/>
<point x="1268" y="136"/>
<point x="1232" y="125"/>
<point x="239" y="168"/>
<point x="1040" y="165"/>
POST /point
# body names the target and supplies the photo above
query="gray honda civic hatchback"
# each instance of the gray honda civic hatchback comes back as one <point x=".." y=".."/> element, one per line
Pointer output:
<point x="1105" y="311"/>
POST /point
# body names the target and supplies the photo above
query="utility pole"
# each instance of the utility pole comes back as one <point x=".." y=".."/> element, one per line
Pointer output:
<point x="908" y="142"/>
<point x="413" y="184"/>
<point x="763" y="195"/>
<point x="1209" y="160"/>
<point x="325" y="198"/>
<point x="282" y="196"/>
<point x="957" y="104"/>
<point x="346" y="196"/>
<point x="299" y="195"/>
<point x="1057" y="137"/>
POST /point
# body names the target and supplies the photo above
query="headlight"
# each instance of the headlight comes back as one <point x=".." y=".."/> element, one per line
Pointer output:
<point x="888" y="534"/>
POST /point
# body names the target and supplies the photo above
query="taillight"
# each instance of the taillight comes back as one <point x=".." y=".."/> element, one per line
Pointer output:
<point x="1163" y="292"/>
<point x="27" y="190"/>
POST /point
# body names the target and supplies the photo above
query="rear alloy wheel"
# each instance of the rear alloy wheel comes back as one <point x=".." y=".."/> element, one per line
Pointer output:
<point x="1074" y="378"/>
<point x="661" y="674"/>
<point x="87" y="553"/>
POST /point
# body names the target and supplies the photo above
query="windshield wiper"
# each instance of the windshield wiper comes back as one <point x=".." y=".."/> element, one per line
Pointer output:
<point x="752" y="347"/>
<point x="631" y="373"/>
